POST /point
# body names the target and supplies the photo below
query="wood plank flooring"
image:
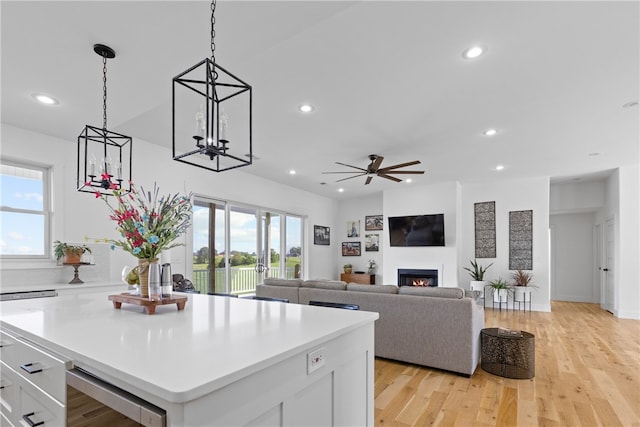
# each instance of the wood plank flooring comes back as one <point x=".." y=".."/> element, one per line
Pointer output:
<point x="587" y="374"/>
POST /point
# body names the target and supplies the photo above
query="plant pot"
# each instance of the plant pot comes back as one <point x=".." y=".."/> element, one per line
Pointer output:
<point x="522" y="293"/>
<point x="348" y="270"/>
<point x="143" y="274"/>
<point x="477" y="285"/>
<point x="72" y="257"/>
<point x="500" y="295"/>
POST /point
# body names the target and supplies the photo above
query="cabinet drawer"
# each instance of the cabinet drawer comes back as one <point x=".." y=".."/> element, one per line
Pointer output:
<point x="35" y="365"/>
<point x="9" y="391"/>
<point x="40" y="408"/>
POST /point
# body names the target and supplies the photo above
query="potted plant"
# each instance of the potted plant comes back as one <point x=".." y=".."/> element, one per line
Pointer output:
<point x="522" y="285"/>
<point x="477" y="275"/>
<point x="500" y="289"/>
<point x="372" y="266"/>
<point x="347" y="268"/>
<point x="72" y="254"/>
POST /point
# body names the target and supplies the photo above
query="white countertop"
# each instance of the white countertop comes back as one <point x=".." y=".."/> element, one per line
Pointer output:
<point x="177" y="355"/>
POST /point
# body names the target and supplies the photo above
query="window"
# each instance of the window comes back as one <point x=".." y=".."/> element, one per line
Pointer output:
<point x="236" y="246"/>
<point x="24" y="211"/>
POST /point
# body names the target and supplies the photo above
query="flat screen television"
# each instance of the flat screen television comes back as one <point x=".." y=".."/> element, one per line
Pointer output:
<point x="417" y="230"/>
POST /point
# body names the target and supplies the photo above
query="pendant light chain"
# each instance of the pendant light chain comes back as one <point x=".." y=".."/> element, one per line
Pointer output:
<point x="104" y="92"/>
<point x="213" y="36"/>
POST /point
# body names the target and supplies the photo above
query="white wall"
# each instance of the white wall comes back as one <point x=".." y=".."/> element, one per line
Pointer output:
<point x="577" y="197"/>
<point x="510" y="195"/>
<point x="418" y="200"/>
<point x="572" y="253"/>
<point x="78" y="214"/>
<point x="357" y="209"/>
<point x="627" y="282"/>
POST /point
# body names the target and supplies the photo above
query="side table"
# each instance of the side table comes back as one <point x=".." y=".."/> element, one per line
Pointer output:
<point x="509" y="354"/>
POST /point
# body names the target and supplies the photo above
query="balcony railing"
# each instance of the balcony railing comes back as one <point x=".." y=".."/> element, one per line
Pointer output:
<point x="243" y="279"/>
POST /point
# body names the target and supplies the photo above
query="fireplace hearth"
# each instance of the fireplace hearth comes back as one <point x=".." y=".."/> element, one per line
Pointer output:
<point x="418" y="277"/>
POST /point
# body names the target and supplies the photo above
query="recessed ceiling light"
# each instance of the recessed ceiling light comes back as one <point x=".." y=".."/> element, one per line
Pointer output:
<point x="490" y="132"/>
<point x="594" y="154"/>
<point x="340" y="190"/>
<point x="630" y="104"/>
<point x="499" y="167"/>
<point x="44" y="99"/>
<point x="306" y="108"/>
<point x="473" y="52"/>
<point x="292" y="172"/>
<point x="408" y="180"/>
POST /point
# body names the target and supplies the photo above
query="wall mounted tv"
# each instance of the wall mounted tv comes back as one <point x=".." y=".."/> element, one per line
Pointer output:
<point x="416" y="230"/>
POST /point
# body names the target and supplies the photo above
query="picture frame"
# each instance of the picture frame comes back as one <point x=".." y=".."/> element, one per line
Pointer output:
<point x="373" y="222"/>
<point x="372" y="242"/>
<point x="353" y="228"/>
<point x="351" y="249"/>
<point x="321" y="235"/>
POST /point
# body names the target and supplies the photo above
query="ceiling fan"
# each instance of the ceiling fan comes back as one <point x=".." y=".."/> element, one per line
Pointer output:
<point x="374" y="169"/>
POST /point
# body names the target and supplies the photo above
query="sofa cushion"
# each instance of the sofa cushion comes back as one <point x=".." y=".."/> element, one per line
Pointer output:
<point x="325" y="284"/>
<point x="437" y="292"/>
<point x="294" y="283"/>
<point x="381" y="289"/>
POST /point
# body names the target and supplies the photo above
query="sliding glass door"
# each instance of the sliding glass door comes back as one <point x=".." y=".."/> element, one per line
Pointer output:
<point x="261" y="243"/>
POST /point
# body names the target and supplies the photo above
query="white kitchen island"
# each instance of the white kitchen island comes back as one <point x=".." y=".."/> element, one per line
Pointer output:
<point x="220" y="361"/>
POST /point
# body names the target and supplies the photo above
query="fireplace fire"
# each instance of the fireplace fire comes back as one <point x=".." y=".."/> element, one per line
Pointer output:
<point x="417" y="277"/>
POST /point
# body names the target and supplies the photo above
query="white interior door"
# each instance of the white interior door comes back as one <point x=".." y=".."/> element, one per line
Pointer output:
<point x="608" y="268"/>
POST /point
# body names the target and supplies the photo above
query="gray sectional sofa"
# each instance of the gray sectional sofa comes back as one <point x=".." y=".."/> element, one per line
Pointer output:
<point x="435" y="327"/>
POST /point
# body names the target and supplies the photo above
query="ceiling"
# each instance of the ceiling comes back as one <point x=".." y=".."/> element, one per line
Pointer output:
<point x="385" y="77"/>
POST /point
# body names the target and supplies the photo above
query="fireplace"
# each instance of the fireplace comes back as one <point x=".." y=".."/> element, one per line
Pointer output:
<point x="417" y="277"/>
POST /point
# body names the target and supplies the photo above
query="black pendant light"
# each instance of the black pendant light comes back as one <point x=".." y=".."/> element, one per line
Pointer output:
<point x="104" y="157"/>
<point x="211" y="115"/>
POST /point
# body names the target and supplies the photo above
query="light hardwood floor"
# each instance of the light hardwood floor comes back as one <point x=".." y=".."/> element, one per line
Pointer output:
<point x="587" y="374"/>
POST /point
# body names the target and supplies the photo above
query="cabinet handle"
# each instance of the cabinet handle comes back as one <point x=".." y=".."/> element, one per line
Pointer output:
<point x="31" y="368"/>
<point x="30" y="422"/>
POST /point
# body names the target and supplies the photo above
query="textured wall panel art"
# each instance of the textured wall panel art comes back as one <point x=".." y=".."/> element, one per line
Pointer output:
<point x="485" y="217"/>
<point x="521" y="240"/>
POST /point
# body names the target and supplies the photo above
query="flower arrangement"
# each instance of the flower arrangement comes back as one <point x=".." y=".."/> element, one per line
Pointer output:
<point x="372" y="264"/>
<point x="148" y="224"/>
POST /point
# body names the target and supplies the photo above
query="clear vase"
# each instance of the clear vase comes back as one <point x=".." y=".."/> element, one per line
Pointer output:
<point x="143" y="273"/>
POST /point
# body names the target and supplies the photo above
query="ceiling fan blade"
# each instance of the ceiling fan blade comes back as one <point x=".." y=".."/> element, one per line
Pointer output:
<point x="351" y="166"/>
<point x="406" y="172"/>
<point x="376" y="163"/>
<point x="351" y="177"/>
<point x="343" y="172"/>
<point x="368" y="180"/>
<point x="392" y="178"/>
<point x="401" y="165"/>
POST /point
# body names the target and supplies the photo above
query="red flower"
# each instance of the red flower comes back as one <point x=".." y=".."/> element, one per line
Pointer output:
<point x="97" y="193"/>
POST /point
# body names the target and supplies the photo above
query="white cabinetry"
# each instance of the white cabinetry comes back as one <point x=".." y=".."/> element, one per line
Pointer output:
<point x="33" y="383"/>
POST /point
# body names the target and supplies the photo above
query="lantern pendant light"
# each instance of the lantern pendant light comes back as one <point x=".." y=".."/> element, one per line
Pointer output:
<point x="104" y="157"/>
<point x="211" y="115"/>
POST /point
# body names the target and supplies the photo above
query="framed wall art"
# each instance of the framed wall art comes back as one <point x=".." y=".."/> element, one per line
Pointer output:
<point x="351" y="249"/>
<point x="372" y="242"/>
<point x="353" y="228"/>
<point x="485" y="225"/>
<point x="373" y="222"/>
<point x="521" y="240"/>
<point x="321" y="235"/>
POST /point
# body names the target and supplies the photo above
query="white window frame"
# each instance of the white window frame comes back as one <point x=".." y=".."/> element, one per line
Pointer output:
<point x="46" y="205"/>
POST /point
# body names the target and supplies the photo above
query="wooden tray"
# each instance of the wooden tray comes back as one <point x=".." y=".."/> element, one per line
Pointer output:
<point x="149" y="305"/>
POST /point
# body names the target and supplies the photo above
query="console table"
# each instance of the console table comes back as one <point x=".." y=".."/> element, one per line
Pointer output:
<point x="362" y="278"/>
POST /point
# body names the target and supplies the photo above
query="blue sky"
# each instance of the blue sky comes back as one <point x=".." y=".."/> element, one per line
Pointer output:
<point x="21" y="234"/>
